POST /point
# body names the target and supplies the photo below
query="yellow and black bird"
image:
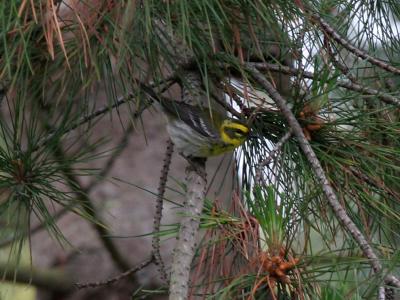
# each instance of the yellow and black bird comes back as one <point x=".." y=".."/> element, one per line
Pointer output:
<point x="202" y="132"/>
<point x="199" y="131"/>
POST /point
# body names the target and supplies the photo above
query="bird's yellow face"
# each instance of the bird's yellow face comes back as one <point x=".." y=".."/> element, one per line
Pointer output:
<point x="233" y="132"/>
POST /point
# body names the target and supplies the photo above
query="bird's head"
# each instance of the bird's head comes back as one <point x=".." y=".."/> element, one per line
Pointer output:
<point x="234" y="132"/>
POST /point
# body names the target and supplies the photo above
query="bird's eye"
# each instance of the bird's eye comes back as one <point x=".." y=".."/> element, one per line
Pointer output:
<point x="239" y="133"/>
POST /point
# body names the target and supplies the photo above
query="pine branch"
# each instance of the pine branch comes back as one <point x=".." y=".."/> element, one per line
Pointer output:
<point x="105" y="109"/>
<point x="338" y="64"/>
<point x="389" y="99"/>
<point x="159" y="207"/>
<point x="333" y="201"/>
<point x="170" y="80"/>
<point x="117" y="278"/>
<point x="194" y="202"/>
<point x="55" y="280"/>
<point x="331" y="32"/>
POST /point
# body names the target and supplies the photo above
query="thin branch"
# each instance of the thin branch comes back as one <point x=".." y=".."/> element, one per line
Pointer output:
<point x="225" y="105"/>
<point x="233" y="92"/>
<point x="330" y="31"/>
<point x="337" y="63"/>
<point x="159" y="207"/>
<point x="333" y="201"/>
<point x="389" y="99"/>
<point x="372" y="182"/>
<point x="170" y="80"/>
<point x="271" y="156"/>
<point x="117" y="278"/>
<point x="97" y="113"/>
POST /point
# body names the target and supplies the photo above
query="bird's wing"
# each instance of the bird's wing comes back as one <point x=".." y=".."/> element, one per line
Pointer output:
<point x="193" y="117"/>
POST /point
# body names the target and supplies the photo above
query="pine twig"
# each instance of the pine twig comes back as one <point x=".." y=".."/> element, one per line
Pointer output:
<point x="117" y="278"/>
<point x="389" y="99"/>
<point x="159" y="207"/>
<point x="97" y="113"/>
<point x="271" y="156"/>
<point x="331" y="32"/>
<point x="224" y="104"/>
<point x="333" y="201"/>
<point x="107" y="108"/>
<point x="337" y="63"/>
<point x="375" y="183"/>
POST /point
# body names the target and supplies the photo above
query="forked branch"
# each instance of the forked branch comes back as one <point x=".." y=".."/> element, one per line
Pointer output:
<point x="117" y="278"/>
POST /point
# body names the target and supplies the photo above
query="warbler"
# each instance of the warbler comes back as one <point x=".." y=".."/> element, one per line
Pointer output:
<point x="201" y="132"/>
